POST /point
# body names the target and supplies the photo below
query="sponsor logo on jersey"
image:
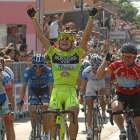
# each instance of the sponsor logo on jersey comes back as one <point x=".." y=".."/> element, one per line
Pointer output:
<point x="65" y="74"/>
<point x="65" y="60"/>
<point x="122" y="73"/>
<point x="50" y="75"/>
<point x="39" y="82"/>
<point x="65" y="67"/>
<point x="25" y="75"/>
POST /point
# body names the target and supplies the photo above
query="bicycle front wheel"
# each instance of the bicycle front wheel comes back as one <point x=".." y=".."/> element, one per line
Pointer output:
<point x="37" y="129"/>
<point x="57" y="133"/>
<point x="95" y="124"/>
<point x="131" y="132"/>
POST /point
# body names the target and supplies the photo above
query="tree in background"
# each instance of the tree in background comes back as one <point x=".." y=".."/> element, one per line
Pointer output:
<point x="128" y="11"/>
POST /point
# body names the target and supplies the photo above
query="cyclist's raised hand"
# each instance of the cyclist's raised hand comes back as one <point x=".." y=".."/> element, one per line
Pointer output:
<point x="93" y="12"/>
<point x="31" y="11"/>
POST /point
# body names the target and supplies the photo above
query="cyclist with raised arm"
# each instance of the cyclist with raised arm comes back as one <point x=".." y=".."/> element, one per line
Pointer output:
<point x="6" y="88"/>
<point x="41" y="83"/>
<point x="89" y="86"/>
<point x="127" y="72"/>
<point x="65" y="65"/>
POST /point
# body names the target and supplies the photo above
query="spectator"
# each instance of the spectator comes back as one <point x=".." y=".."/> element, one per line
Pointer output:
<point x="22" y="56"/>
<point x="10" y="53"/>
<point x="11" y="38"/>
<point x="53" y="29"/>
<point x="23" y="48"/>
<point x="46" y="27"/>
<point x="17" y="56"/>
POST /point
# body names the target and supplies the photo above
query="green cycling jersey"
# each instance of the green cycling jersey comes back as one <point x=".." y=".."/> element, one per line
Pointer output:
<point x="65" y="65"/>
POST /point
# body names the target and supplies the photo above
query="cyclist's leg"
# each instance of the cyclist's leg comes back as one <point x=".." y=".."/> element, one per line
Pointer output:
<point x="72" y="104"/>
<point x="101" y="91"/>
<point x="136" y="104"/>
<point x="9" y="124"/>
<point x="32" y="99"/>
<point x="119" y="103"/>
<point x="108" y="86"/>
<point x="54" y="104"/>
<point x="45" y="99"/>
<point x="90" y="91"/>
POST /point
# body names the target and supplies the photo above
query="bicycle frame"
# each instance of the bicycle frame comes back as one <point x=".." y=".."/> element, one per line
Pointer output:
<point x="61" y="124"/>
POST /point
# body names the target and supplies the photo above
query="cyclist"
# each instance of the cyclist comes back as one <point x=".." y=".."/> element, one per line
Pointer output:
<point x="41" y="82"/>
<point x="89" y="87"/>
<point x="127" y="72"/>
<point x="84" y="64"/>
<point x="6" y="88"/>
<point x="65" y="65"/>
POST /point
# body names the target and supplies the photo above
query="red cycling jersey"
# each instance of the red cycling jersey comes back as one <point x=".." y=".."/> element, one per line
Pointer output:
<point x="127" y="78"/>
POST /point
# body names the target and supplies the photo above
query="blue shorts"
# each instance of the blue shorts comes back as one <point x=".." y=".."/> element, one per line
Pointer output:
<point x="34" y="93"/>
<point x="3" y="98"/>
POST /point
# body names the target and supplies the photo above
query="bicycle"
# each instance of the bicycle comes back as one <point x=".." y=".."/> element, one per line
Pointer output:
<point x="131" y="131"/>
<point x="3" y="132"/>
<point x="38" y="127"/>
<point x="97" y="124"/>
<point x="61" y="127"/>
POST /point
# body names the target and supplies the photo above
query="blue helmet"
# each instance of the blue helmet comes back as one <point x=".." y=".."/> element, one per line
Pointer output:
<point x="85" y="64"/>
<point x="38" y="59"/>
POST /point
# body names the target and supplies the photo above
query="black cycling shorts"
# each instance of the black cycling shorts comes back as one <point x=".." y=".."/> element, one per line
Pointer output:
<point x="132" y="100"/>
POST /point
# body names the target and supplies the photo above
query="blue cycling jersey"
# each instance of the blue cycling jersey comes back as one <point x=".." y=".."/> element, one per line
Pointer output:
<point x="42" y="80"/>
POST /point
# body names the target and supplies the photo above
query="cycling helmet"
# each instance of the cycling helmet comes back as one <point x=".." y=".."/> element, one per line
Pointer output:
<point x="129" y="48"/>
<point x="66" y="33"/>
<point x="96" y="59"/>
<point x="113" y="58"/>
<point x="38" y="59"/>
<point x="137" y="60"/>
<point x="2" y="60"/>
<point x="85" y="64"/>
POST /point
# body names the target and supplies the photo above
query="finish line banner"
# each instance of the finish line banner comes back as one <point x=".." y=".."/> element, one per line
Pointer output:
<point x="118" y="35"/>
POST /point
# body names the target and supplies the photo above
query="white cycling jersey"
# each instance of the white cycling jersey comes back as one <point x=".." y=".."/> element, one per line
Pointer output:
<point x="93" y="84"/>
<point x="5" y="82"/>
<point x="10" y="73"/>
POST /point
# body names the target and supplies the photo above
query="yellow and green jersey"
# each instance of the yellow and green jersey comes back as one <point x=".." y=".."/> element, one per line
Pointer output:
<point x="65" y="65"/>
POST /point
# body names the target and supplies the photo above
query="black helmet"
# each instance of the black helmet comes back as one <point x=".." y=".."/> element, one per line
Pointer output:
<point x="129" y="48"/>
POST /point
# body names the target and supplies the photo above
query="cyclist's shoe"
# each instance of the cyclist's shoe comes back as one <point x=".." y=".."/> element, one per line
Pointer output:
<point x="89" y="135"/>
<point x="123" y="136"/>
<point x="31" y="137"/>
<point x="46" y="137"/>
<point x="104" y="119"/>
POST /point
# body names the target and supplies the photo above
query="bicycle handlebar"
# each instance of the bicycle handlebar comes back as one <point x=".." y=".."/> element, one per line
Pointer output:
<point x="129" y="111"/>
<point x="58" y="111"/>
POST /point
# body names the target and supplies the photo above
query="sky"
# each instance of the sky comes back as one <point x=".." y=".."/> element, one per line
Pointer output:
<point x="137" y="4"/>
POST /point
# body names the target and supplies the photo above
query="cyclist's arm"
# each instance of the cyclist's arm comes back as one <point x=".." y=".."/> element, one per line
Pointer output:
<point x="45" y="42"/>
<point x="83" y="86"/>
<point x="101" y="72"/>
<point x="23" y="90"/>
<point x="87" y="32"/>
<point x="11" y="98"/>
<point x="50" y="85"/>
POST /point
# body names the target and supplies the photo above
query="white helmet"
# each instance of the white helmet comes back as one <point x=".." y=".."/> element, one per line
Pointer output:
<point x="96" y="59"/>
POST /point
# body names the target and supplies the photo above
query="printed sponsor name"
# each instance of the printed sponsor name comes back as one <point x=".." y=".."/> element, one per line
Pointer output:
<point x="65" y="74"/>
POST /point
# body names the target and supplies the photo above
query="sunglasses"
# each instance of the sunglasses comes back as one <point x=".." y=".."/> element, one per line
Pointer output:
<point x="128" y="56"/>
<point x="65" y="38"/>
<point x="38" y="66"/>
<point x="47" y="62"/>
<point x="97" y="65"/>
<point x="22" y="56"/>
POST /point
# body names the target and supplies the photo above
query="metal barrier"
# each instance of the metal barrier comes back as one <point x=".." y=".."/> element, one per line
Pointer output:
<point x="18" y="70"/>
